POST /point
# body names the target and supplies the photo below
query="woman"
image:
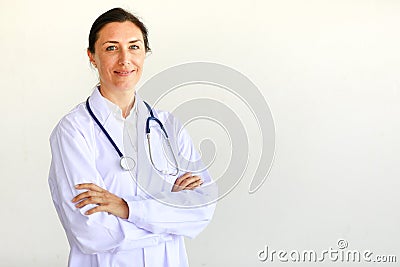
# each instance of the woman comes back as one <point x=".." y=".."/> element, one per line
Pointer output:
<point x="136" y="215"/>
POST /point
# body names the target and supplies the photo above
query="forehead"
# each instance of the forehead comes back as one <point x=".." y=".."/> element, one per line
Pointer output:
<point x="120" y="31"/>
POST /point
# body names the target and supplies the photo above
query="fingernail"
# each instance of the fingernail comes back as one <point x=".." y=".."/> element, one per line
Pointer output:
<point x="76" y="186"/>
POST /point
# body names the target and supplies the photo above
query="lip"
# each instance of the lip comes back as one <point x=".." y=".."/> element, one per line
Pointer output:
<point x="123" y="73"/>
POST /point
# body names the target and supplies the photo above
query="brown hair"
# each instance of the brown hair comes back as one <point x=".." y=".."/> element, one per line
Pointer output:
<point x="115" y="15"/>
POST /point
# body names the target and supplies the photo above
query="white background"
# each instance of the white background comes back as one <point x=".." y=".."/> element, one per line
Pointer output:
<point x="328" y="69"/>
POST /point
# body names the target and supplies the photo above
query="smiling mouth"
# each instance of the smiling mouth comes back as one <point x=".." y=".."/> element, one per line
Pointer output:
<point x="124" y="73"/>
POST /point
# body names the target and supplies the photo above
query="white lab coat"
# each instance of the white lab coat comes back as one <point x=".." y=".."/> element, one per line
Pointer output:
<point x="153" y="235"/>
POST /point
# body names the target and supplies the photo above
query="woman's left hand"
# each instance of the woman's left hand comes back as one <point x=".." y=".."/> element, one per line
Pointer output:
<point x="187" y="182"/>
<point x="106" y="201"/>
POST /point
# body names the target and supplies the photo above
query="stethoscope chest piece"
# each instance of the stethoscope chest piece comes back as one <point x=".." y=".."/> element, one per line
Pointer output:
<point x="127" y="163"/>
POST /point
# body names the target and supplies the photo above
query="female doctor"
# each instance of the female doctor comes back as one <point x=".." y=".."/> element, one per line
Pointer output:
<point x="121" y="199"/>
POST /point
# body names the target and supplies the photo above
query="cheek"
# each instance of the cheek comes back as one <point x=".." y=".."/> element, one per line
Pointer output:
<point x="139" y="61"/>
<point x="105" y="63"/>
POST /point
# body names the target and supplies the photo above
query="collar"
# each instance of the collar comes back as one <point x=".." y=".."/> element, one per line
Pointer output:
<point x="103" y="108"/>
<point x="117" y="112"/>
<point x="99" y="106"/>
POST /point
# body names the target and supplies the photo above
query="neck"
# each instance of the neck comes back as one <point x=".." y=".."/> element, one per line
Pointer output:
<point x="123" y="99"/>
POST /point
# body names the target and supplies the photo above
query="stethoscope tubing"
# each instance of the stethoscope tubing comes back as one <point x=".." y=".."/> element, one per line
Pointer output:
<point x="124" y="159"/>
<point x="102" y="129"/>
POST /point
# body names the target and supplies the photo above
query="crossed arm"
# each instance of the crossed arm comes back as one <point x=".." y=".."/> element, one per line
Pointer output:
<point x="138" y="221"/>
<point x="108" y="202"/>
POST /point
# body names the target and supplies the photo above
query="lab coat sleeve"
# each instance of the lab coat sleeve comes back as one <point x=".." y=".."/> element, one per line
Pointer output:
<point x="186" y="212"/>
<point x="73" y="162"/>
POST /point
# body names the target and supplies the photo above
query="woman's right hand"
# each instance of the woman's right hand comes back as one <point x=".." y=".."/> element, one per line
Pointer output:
<point x="187" y="182"/>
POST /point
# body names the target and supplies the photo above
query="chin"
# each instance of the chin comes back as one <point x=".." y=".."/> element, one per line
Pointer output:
<point x="125" y="86"/>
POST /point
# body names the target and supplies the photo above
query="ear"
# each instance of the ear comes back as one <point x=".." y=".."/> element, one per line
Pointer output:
<point x="91" y="58"/>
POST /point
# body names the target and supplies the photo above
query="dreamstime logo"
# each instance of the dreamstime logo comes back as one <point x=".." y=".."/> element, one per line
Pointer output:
<point x="214" y="111"/>
<point x="341" y="254"/>
<point x="342" y="244"/>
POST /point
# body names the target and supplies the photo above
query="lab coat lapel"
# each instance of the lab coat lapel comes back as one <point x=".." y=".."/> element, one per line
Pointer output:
<point x="144" y="169"/>
<point x="149" y="181"/>
<point x="104" y="115"/>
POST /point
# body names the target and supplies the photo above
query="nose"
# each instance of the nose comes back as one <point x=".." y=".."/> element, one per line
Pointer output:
<point x="124" y="58"/>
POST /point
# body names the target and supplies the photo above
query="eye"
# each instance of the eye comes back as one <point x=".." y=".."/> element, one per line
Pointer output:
<point x="111" y="48"/>
<point x="134" y="47"/>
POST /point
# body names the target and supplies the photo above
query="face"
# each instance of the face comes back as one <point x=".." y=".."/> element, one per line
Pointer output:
<point x="119" y="56"/>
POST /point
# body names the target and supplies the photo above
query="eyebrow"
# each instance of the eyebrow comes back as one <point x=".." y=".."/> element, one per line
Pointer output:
<point x="116" y="42"/>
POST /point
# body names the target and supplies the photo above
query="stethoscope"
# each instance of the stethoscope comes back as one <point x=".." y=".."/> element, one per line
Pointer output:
<point x="127" y="163"/>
